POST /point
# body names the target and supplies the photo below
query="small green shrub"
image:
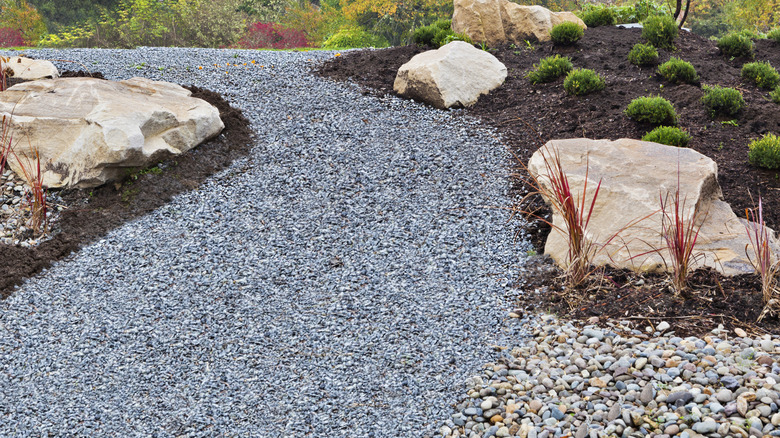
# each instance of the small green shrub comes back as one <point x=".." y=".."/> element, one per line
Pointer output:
<point x="582" y="81"/>
<point x="722" y="100"/>
<point x="678" y="71"/>
<point x="775" y="95"/>
<point x="668" y="135"/>
<point x="599" y="16"/>
<point x="774" y="34"/>
<point x="765" y="152"/>
<point x="654" y="110"/>
<point x="550" y="69"/>
<point x="660" y="30"/>
<point x="736" y="45"/>
<point x="436" y="35"/>
<point x="762" y="74"/>
<point x="350" y="37"/>
<point x="457" y="37"/>
<point x="566" y="33"/>
<point x="643" y="54"/>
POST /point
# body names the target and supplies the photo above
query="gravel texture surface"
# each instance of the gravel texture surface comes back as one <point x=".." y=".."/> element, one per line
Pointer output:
<point x="344" y="280"/>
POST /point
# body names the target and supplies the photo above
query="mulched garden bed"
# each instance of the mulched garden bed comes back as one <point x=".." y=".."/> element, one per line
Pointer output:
<point x="91" y="213"/>
<point x="528" y="115"/>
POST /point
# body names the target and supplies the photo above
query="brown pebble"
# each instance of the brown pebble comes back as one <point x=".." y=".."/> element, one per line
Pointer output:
<point x="496" y="419"/>
<point x="765" y="360"/>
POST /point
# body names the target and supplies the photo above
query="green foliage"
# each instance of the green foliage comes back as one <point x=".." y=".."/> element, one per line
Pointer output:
<point x="566" y="33"/>
<point x="775" y="95"/>
<point x="582" y="81"/>
<point x="19" y="16"/>
<point x="774" y="34"/>
<point x="765" y="152"/>
<point x="653" y="110"/>
<point x="350" y="37"/>
<point x="59" y="14"/>
<point x="550" y="69"/>
<point x="678" y="71"/>
<point x="643" y="54"/>
<point x="722" y="100"/>
<point x="187" y="23"/>
<point x="599" y="16"/>
<point x="668" y="135"/>
<point x="437" y="34"/>
<point x="762" y="74"/>
<point x="736" y="45"/>
<point x="660" y="30"/>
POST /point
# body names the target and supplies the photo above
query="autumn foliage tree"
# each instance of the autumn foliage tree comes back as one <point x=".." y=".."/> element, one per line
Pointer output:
<point x="392" y="19"/>
<point x="18" y="15"/>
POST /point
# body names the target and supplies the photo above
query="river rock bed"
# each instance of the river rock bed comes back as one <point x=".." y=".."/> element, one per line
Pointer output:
<point x="613" y="380"/>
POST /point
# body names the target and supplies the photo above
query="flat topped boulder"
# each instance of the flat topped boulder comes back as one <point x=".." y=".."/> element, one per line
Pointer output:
<point x="455" y="75"/>
<point x="91" y="131"/>
<point x="634" y="176"/>
<point x="497" y="22"/>
<point x="32" y="69"/>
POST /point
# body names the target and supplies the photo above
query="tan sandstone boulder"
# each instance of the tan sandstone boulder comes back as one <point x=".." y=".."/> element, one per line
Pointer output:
<point x="454" y="75"/>
<point x="634" y="175"/>
<point x="32" y="69"/>
<point x="90" y="131"/>
<point x="496" y="22"/>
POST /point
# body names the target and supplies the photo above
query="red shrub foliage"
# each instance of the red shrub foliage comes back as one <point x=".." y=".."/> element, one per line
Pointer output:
<point x="272" y="36"/>
<point x="10" y="37"/>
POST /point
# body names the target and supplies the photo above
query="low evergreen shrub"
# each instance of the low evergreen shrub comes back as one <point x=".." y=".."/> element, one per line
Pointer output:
<point x="582" y="81"/>
<point x="762" y="74"/>
<point x="722" y="100"/>
<point x="437" y="34"/>
<point x="678" y="71"/>
<point x="354" y="37"/>
<point x="653" y="110"/>
<point x="668" y="135"/>
<point x="643" y="54"/>
<point x="775" y="95"/>
<point x="765" y="152"/>
<point x="566" y="33"/>
<point x="736" y="45"/>
<point x="550" y="69"/>
<point x="774" y="34"/>
<point x="599" y="16"/>
<point x="660" y="30"/>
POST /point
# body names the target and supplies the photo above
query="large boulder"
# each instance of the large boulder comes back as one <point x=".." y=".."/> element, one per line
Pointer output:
<point x="91" y="131"/>
<point x="32" y="69"/>
<point x="634" y="176"/>
<point x="496" y="22"/>
<point x="454" y="75"/>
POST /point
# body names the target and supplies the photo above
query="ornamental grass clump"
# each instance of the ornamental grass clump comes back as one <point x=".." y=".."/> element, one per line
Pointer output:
<point x="762" y="74"/>
<point x="660" y="30"/>
<point x="680" y="234"/>
<point x="678" y="71"/>
<point x="550" y="69"/>
<point x="653" y="110"/>
<point x="599" y="16"/>
<point x="566" y="33"/>
<point x="582" y="81"/>
<point x="765" y="152"/>
<point x="643" y="54"/>
<point x="736" y="45"/>
<point x="764" y="261"/>
<point x="668" y="135"/>
<point x="722" y="100"/>
<point x="3" y="74"/>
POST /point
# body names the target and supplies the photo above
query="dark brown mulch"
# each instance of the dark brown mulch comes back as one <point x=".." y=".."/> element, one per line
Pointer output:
<point x="92" y="213"/>
<point x="529" y="115"/>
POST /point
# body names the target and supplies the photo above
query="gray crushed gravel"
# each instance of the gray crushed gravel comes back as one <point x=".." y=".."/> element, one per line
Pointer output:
<point x="344" y="280"/>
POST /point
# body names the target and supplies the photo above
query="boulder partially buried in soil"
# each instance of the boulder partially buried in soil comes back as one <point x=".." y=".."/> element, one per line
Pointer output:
<point x="455" y="75"/>
<point x="91" y="131"/>
<point x="634" y="176"/>
<point x="497" y="22"/>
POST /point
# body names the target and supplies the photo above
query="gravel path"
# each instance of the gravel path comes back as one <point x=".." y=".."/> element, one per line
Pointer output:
<point x="344" y="280"/>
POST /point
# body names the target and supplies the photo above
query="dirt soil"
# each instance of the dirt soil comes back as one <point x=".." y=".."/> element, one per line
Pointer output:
<point x="90" y="214"/>
<point x="528" y="115"/>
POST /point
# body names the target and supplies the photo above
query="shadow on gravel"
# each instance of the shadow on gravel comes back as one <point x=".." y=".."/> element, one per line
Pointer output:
<point x="90" y="214"/>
